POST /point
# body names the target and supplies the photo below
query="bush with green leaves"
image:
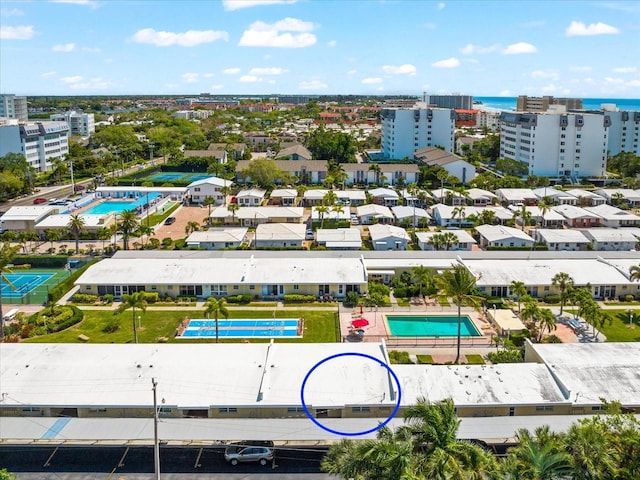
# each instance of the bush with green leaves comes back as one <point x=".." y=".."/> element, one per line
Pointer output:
<point x="85" y="298"/>
<point x="506" y="356"/>
<point x="399" y="357"/>
<point x="243" y="298"/>
<point x="151" y="297"/>
<point x="298" y="298"/>
<point x="553" y="298"/>
<point x="352" y="298"/>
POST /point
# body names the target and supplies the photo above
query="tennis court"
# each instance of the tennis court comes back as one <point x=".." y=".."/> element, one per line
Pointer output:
<point x="30" y="287"/>
<point x="178" y="176"/>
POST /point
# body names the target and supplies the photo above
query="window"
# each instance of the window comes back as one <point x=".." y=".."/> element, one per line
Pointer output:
<point x="97" y="410"/>
<point x="544" y="408"/>
<point x="295" y="410"/>
<point x="296" y="287"/>
<point x="31" y="410"/>
<point x="218" y="290"/>
<point x="360" y="409"/>
<point x="252" y="287"/>
<point x="165" y="410"/>
<point x="512" y="411"/>
<point x="235" y="287"/>
<point x="228" y="410"/>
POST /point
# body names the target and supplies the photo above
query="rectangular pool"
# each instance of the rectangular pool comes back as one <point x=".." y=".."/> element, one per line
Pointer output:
<point x="243" y="328"/>
<point x="431" y="326"/>
<point x="119" y="206"/>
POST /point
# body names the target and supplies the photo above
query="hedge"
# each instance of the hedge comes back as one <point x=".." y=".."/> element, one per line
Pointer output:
<point x="535" y="247"/>
<point x="297" y="298"/>
<point x="68" y="319"/>
<point x="243" y="298"/>
<point x="42" y="261"/>
<point x="399" y="357"/>
<point x="59" y="290"/>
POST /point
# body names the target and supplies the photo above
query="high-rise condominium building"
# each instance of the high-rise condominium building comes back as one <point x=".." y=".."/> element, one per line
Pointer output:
<point x="624" y="132"/>
<point x="556" y="145"/>
<point x="79" y="123"/>
<point x="406" y="130"/>
<point x="14" y="107"/>
<point x="455" y="100"/>
<point x="39" y="142"/>
<point x="542" y="104"/>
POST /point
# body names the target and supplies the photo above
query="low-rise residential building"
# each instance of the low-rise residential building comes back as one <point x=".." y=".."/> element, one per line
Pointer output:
<point x="92" y="223"/>
<point x="453" y="216"/>
<point x="559" y="239"/>
<point x="252" y="197"/>
<point x="586" y="198"/>
<point x="25" y="218"/>
<point x="501" y="236"/>
<point x="218" y="238"/>
<point x="558" y="197"/>
<point x="295" y="152"/>
<point x="547" y="219"/>
<point x="388" y="237"/>
<point x="577" y="217"/>
<point x="454" y="165"/>
<point x="615" y="196"/>
<point x="215" y="151"/>
<point x="464" y="240"/>
<point x="213" y="187"/>
<point x="447" y="196"/>
<point x="314" y="196"/>
<point x="252" y="216"/>
<point x="279" y="235"/>
<point x="82" y="124"/>
<point x="351" y="197"/>
<point x="384" y="196"/>
<point x="337" y="212"/>
<point x="615" y="217"/>
<point x="480" y="198"/>
<point x="284" y="196"/>
<point x="517" y="196"/>
<point x="312" y="172"/>
<point x="411" y="216"/>
<point x="611" y="239"/>
<point x="339" y="238"/>
<point x="363" y="174"/>
<point x="372" y="213"/>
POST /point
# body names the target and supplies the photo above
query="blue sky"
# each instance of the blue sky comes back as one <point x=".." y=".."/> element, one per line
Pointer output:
<point x="102" y="47"/>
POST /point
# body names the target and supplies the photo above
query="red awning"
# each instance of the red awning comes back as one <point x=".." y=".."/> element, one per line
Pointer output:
<point x="360" y="322"/>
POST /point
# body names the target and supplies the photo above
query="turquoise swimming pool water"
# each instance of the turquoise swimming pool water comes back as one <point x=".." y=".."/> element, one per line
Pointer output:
<point x="243" y="328"/>
<point x="117" y="206"/>
<point x="431" y="326"/>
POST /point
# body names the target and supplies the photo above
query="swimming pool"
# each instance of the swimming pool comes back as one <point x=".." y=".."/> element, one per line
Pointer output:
<point x="243" y="328"/>
<point x="116" y="206"/>
<point x="23" y="283"/>
<point x="431" y="326"/>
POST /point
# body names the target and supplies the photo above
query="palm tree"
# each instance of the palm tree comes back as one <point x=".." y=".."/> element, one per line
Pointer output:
<point x="449" y="239"/>
<point x="7" y="254"/>
<point x="564" y="283"/>
<point x="225" y="191"/>
<point x="423" y="276"/>
<point x="216" y="307"/>
<point x="436" y="241"/>
<point x="233" y="208"/>
<point x="53" y="235"/>
<point x="544" y="207"/>
<point x="442" y="175"/>
<point x="485" y="217"/>
<point x="539" y="457"/>
<point x="322" y="211"/>
<point x="518" y="289"/>
<point x="524" y="215"/>
<point x="595" y="450"/>
<point x="547" y="322"/>
<point x="413" y="189"/>
<point x="191" y="227"/>
<point x="208" y="202"/>
<point x="330" y="198"/>
<point x="375" y="168"/>
<point x="75" y="226"/>
<point x="133" y="301"/>
<point x="459" y="284"/>
<point x="634" y="273"/>
<point x="127" y="225"/>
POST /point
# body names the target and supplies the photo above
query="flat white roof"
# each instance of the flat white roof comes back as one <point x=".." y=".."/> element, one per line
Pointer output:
<point x="280" y="231"/>
<point x="381" y="232"/>
<point x="284" y="193"/>
<point x="372" y="209"/>
<point x="236" y="234"/>
<point x="500" y="232"/>
<point x="571" y="212"/>
<point x="474" y="385"/>
<point x="462" y="235"/>
<point x="339" y="235"/>
<point x="478" y="193"/>
<point x="260" y="213"/>
<point x="610" y="212"/>
<point x="516" y="194"/>
<point x="558" y="235"/>
<point x="315" y="194"/>
<point x="404" y="211"/>
<point x="215" y="181"/>
<point x="61" y="221"/>
<point x="611" y="235"/>
<point x="591" y="371"/>
<point x="251" y="192"/>
<point x="29" y="212"/>
<point x="384" y="192"/>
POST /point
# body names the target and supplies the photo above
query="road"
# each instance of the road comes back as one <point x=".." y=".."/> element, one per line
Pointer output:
<point x="132" y="463"/>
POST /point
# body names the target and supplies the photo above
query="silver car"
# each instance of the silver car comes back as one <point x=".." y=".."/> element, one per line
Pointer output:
<point x="235" y="454"/>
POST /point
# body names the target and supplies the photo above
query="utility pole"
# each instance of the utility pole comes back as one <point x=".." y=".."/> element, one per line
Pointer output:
<point x="156" y="444"/>
<point x="151" y="145"/>
<point x="73" y="184"/>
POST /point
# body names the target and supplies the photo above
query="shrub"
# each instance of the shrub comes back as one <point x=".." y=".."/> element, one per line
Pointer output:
<point x="400" y="357"/>
<point x="58" y="291"/>
<point x="473" y="359"/>
<point x="351" y="298"/>
<point x="553" y="298"/>
<point x="150" y="297"/>
<point x="551" y="339"/>
<point x="107" y="298"/>
<point x="506" y="356"/>
<point x="244" y="298"/>
<point x="298" y="298"/>
<point x="112" y="326"/>
<point x="167" y="242"/>
<point x="85" y="298"/>
<point x="41" y="261"/>
<point x="518" y="338"/>
<point x="425" y="359"/>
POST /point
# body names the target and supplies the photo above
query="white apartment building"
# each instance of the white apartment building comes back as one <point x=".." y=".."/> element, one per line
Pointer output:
<point x="82" y="124"/>
<point x="488" y="119"/>
<point x="556" y="144"/>
<point x="624" y="132"/>
<point x="39" y="142"/>
<point x="14" y="107"/>
<point x="406" y="130"/>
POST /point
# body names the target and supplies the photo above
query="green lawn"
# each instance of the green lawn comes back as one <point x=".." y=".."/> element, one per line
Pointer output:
<point x="318" y="327"/>
<point x="161" y="216"/>
<point x="618" y="330"/>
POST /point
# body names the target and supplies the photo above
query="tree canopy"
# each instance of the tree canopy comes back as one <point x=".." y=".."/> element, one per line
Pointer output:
<point x="332" y="145"/>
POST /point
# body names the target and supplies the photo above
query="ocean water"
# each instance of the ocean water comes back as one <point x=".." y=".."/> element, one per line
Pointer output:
<point x="509" y="103"/>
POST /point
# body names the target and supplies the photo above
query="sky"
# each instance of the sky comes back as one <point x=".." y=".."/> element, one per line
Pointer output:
<point x="384" y="47"/>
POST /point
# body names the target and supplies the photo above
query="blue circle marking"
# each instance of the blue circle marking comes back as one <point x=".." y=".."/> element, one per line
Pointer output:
<point x="338" y="432"/>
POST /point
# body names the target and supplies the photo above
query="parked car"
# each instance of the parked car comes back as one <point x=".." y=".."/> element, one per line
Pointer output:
<point x="170" y="220"/>
<point x="39" y="200"/>
<point x="309" y="235"/>
<point x="261" y="453"/>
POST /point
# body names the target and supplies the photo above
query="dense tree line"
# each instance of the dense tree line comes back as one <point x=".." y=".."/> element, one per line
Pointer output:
<point x="16" y="176"/>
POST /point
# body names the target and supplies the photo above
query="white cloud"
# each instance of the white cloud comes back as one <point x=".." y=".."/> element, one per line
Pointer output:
<point x="267" y="71"/>
<point x="551" y="88"/>
<point x="452" y="62"/>
<point x="331" y="43"/>
<point x="216" y="86"/>
<point x="312" y="85"/>
<point x="64" y="47"/>
<point x="22" y="32"/>
<point x="190" y="77"/>
<point x="95" y="83"/>
<point x="190" y="38"/>
<point x="504" y="93"/>
<point x="352" y="72"/>
<point x="88" y="3"/>
<point x="250" y="79"/>
<point x="625" y="69"/>
<point x="441" y="6"/>
<point x="231" y="71"/>
<point x="208" y="75"/>
<point x="545" y="74"/>
<point x="580" y="68"/>
<point x="279" y="34"/>
<point x="579" y="29"/>
<point x="230" y="5"/>
<point x="518" y="48"/>
<point x="470" y="48"/>
<point x="14" y="12"/>
<point x="406" y="69"/>
<point x="73" y="79"/>
<point x="47" y="74"/>
<point x="371" y="81"/>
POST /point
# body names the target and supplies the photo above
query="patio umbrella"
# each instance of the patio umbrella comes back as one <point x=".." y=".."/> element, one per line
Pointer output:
<point x="360" y="309"/>
<point x="360" y="322"/>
